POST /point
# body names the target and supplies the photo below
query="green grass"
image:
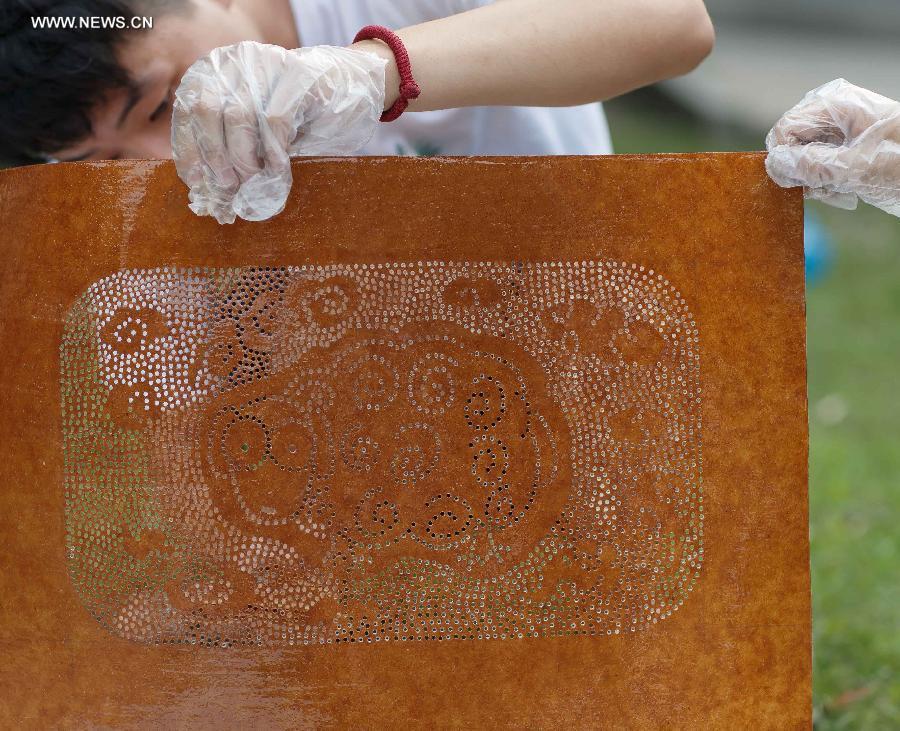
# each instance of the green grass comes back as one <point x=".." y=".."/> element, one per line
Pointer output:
<point x="854" y="394"/>
<point x="854" y="354"/>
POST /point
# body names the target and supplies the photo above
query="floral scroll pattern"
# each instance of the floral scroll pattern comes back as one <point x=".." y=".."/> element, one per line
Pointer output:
<point x="382" y="452"/>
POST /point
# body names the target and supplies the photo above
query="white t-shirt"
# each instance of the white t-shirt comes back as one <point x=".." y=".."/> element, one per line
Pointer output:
<point x="578" y="130"/>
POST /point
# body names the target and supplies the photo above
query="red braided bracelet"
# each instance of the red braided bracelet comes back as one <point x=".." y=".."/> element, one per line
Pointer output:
<point x="409" y="89"/>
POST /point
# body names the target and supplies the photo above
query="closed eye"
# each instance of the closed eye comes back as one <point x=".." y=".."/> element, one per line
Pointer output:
<point x="161" y="109"/>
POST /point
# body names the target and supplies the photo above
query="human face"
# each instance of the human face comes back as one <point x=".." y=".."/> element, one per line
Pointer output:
<point x="136" y="123"/>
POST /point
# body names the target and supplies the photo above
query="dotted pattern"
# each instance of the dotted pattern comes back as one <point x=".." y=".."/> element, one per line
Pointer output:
<point x="367" y="453"/>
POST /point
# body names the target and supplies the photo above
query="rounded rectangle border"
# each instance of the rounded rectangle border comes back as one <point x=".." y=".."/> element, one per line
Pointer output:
<point x="426" y="450"/>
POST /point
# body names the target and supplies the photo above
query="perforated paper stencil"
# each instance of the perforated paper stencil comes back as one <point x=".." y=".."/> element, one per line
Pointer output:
<point x="411" y="451"/>
<point x="450" y="443"/>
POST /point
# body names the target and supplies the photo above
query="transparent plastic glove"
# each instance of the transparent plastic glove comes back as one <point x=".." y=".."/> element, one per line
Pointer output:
<point x="243" y="110"/>
<point x="842" y="144"/>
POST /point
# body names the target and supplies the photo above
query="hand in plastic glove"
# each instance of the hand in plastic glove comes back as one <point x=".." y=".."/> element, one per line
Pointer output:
<point x="842" y="143"/>
<point x="243" y="110"/>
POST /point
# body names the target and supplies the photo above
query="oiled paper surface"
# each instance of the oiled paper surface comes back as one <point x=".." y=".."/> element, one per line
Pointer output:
<point x="479" y="443"/>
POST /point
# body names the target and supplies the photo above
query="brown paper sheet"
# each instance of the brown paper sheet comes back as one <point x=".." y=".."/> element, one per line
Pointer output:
<point x="449" y="443"/>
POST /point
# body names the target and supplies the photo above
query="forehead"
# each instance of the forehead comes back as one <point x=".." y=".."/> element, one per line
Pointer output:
<point x="158" y="44"/>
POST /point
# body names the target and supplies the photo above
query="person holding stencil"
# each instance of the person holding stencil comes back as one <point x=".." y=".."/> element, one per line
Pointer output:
<point x="511" y="77"/>
<point x="248" y="103"/>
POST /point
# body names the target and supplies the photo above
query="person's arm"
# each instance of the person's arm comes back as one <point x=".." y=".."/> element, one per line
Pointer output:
<point x="243" y="110"/>
<point x="549" y="52"/>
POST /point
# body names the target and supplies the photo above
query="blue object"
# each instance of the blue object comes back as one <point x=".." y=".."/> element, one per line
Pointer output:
<point x="817" y="247"/>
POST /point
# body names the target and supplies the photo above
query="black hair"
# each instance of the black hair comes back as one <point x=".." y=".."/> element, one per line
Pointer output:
<point x="52" y="78"/>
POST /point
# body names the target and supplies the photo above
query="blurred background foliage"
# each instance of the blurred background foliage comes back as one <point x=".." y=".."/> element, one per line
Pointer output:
<point x="768" y="54"/>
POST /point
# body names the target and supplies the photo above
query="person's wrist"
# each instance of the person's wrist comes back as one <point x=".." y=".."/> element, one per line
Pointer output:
<point x="391" y="74"/>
